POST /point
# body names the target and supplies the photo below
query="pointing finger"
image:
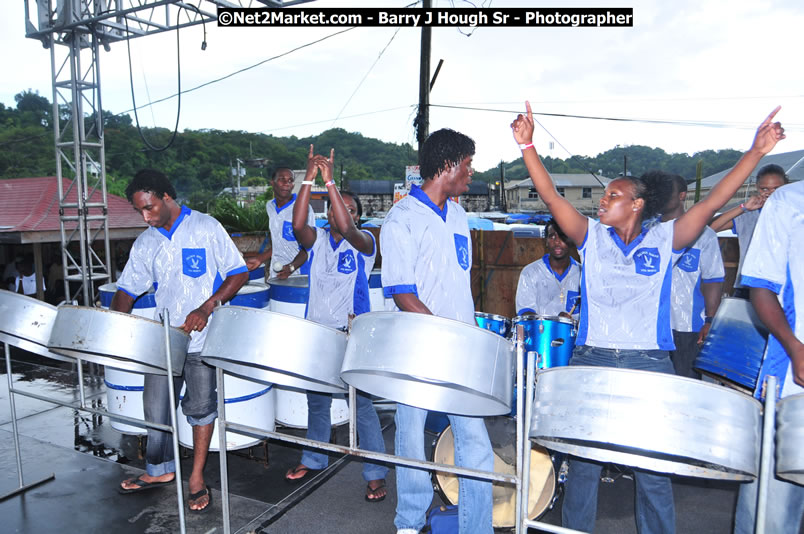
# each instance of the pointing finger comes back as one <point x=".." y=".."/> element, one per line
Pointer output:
<point x="772" y="114"/>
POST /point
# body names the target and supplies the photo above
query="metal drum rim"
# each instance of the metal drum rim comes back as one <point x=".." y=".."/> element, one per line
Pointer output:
<point x="492" y="316"/>
<point x="259" y="311"/>
<point x="435" y="318"/>
<point x="137" y="317"/>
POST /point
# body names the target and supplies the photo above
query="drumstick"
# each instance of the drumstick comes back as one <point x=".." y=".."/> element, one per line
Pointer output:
<point x="573" y="307"/>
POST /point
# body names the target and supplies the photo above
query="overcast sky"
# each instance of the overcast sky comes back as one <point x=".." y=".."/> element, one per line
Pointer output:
<point x="725" y="63"/>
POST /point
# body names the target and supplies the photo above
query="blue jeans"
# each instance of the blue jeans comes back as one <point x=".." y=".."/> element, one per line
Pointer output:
<point x="655" y="509"/>
<point x="414" y="487"/>
<point x="200" y="406"/>
<point x="785" y="504"/>
<point x="319" y="427"/>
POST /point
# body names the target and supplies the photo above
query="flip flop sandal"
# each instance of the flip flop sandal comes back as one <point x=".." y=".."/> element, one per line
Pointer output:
<point x="299" y="469"/>
<point x="197" y="495"/>
<point x="142" y="485"/>
<point x="370" y="491"/>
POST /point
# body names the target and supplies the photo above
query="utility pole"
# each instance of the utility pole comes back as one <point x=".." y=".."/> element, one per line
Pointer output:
<point x="423" y="118"/>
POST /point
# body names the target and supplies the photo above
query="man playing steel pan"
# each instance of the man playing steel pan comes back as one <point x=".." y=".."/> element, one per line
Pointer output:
<point x="551" y="285"/>
<point x="426" y="268"/>
<point x="774" y="270"/>
<point x="697" y="281"/>
<point x="193" y="263"/>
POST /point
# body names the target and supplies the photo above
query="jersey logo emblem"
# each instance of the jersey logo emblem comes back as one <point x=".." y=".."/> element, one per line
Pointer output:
<point x="462" y="251"/>
<point x="194" y="262"/>
<point x="689" y="260"/>
<point x="647" y="261"/>
<point x="287" y="231"/>
<point x="346" y="262"/>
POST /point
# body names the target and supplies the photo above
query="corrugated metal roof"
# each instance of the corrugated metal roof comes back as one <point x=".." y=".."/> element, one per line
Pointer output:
<point x="564" y="180"/>
<point x="32" y="205"/>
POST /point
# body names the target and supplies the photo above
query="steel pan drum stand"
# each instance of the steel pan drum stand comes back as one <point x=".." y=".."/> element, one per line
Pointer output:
<point x="81" y="406"/>
<point x="224" y="425"/>
<point x="768" y="426"/>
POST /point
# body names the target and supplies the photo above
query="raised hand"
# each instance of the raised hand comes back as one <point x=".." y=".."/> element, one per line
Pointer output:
<point x="768" y="134"/>
<point x="523" y="126"/>
<point x="326" y="165"/>
<point x="312" y="168"/>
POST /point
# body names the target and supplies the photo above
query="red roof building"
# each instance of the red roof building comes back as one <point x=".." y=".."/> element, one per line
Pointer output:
<point x="29" y="212"/>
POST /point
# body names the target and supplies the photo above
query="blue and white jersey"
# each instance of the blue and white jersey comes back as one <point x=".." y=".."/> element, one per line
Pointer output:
<point x="428" y="252"/>
<point x="187" y="265"/>
<point x="775" y="261"/>
<point x="700" y="263"/>
<point x="339" y="276"/>
<point x="284" y="246"/>
<point x="626" y="288"/>
<point x="743" y="226"/>
<point x="541" y="290"/>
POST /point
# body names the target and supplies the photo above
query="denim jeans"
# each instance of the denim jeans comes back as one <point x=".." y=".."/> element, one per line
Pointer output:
<point x="785" y="504"/>
<point x="655" y="509"/>
<point x="414" y="487"/>
<point x="319" y="427"/>
<point x="199" y="405"/>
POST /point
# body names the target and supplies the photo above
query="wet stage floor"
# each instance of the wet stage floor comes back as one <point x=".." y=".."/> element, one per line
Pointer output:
<point x="89" y="459"/>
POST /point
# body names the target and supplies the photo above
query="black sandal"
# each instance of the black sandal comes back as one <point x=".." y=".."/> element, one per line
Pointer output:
<point x="301" y="468"/>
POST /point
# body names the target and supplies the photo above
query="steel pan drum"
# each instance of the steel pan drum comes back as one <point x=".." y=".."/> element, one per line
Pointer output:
<point x="430" y="362"/>
<point x="542" y="487"/>
<point x="655" y="421"/>
<point x="789" y="437"/>
<point x="275" y="348"/>
<point x="26" y="323"/>
<point x="735" y="345"/>
<point x="116" y="339"/>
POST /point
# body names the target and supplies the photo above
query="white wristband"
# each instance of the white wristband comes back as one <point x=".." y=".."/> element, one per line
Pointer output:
<point x="308" y="182"/>
<point x="523" y="146"/>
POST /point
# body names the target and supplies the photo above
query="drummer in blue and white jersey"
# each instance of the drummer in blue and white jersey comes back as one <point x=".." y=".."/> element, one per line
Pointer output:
<point x="697" y="282"/>
<point x="284" y="257"/>
<point x="774" y="270"/>
<point x="341" y="259"/>
<point x="426" y="268"/>
<point x="626" y="282"/>
<point x="550" y="286"/>
<point x="743" y="219"/>
<point x="193" y="263"/>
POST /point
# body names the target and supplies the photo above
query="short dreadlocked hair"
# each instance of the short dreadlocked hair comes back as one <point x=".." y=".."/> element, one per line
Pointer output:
<point x="150" y="181"/>
<point x="443" y="150"/>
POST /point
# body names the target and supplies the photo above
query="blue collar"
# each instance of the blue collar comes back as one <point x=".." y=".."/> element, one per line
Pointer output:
<point x="290" y="203"/>
<point x="185" y="212"/>
<point x="546" y="259"/>
<point x="626" y="249"/>
<point x="332" y="241"/>
<point x="417" y="193"/>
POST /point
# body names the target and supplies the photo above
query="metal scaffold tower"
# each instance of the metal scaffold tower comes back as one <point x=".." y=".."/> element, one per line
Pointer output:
<point x="75" y="31"/>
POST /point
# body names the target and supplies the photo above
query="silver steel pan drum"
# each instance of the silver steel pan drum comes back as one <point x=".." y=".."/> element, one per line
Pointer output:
<point x="26" y="323"/>
<point x="655" y="421"/>
<point x="116" y="339"/>
<point x="789" y="437"/>
<point x="275" y="348"/>
<point x="430" y="362"/>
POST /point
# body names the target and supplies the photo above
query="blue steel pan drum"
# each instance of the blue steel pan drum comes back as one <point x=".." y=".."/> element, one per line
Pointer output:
<point x="495" y="323"/>
<point x="735" y="346"/>
<point x="553" y="338"/>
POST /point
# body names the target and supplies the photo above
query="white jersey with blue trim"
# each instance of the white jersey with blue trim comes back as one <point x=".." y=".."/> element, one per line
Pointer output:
<point x="187" y="265"/>
<point x="743" y="227"/>
<point x="775" y="261"/>
<point x="284" y="246"/>
<point x="540" y="290"/>
<point x="626" y="288"/>
<point x="428" y="252"/>
<point x="339" y="276"/>
<point x="700" y="263"/>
